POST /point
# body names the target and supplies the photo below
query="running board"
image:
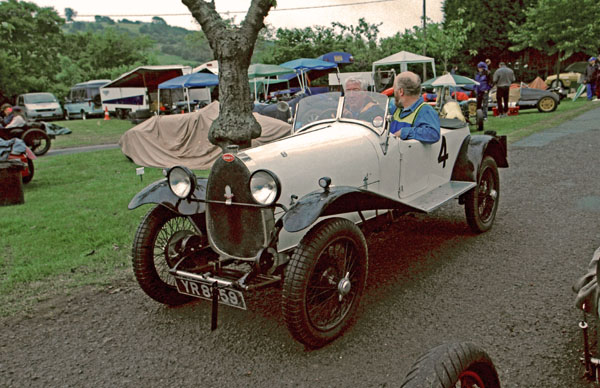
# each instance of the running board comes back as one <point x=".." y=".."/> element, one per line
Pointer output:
<point x="430" y="201"/>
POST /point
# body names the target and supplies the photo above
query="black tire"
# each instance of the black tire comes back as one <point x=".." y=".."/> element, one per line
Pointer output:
<point x="557" y="83"/>
<point x="83" y="115"/>
<point x="547" y="104"/>
<point x="481" y="203"/>
<point x="325" y="276"/>
<point x="37" y="140"/>
<point x="28" y="178"/>
<point x="447" y="365"/>
<point x="152" y="254"/>
<point x="67" y="117"/>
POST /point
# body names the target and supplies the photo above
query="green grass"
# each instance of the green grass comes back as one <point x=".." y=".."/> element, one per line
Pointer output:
<point x="91" y="132"/>
<point x="74" y="227"/>
<point x="530" y="121"/>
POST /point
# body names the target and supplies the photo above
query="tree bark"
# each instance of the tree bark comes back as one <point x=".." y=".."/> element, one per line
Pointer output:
<point x="232" y="47"/>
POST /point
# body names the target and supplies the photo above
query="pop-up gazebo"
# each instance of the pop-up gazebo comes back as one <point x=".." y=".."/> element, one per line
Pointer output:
<point x="403" y="58"/>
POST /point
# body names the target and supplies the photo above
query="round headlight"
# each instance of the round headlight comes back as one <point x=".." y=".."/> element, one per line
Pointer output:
<point x="265" y="187"/>
<point x="181" y="181"/>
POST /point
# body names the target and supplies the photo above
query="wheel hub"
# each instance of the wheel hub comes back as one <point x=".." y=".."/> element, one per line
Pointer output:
<point x="344" y="286"/>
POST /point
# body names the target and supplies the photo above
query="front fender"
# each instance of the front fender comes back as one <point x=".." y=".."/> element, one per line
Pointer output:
<point x="338" y="200"/>
<point x="472" y="152"/>
<point x="160" y="193"/>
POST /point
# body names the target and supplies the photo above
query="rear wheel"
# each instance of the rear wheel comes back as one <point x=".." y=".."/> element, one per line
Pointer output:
<point x="156" y="249"/>
<point x="481" y="202"/>
<point x="557" y="83"/>
<point x="546" y="104"/>
<point x="324" y="282"/>
<point x="453" y="365"/>
<point x="30" y="168"/>
<point x="37" y="140"/>
<point x="83" y="115"/>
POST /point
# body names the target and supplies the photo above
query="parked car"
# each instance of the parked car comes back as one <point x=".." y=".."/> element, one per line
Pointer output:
<point x="293" y="212"/>
<point x="529" y="98"/>
<point x="572" y="78"/>
<point x="84" y="100"/>
<point x="36" y="106"/>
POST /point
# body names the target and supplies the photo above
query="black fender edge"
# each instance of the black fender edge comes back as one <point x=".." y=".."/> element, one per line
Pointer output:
<point x="473" y="150"/>
<point x="337" y="200"/>
<point x="159" y="192"/>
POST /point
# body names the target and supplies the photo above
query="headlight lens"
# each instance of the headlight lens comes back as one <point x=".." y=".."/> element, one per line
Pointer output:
<point x="265" y="187"/>
<point x="181" y="181"/>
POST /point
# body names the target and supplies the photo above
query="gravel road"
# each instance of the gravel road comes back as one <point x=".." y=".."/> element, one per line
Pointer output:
<point x="430" y="281"/>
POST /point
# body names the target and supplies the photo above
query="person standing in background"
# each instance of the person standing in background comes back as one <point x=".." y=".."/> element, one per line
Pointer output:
<point x="591" y="72"/>
<point x="483" y="77"/>
<point x="503" y="77"/>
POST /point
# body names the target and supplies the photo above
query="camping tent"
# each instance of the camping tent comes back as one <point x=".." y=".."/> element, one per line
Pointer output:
<point x="403" y="58"/>
<point x="303" y="65"/>
<point x="260" y="71"/>
<point x="194" y="80"/>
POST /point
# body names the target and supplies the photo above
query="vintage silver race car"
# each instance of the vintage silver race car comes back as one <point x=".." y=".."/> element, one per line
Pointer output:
<point x="290" y="213"/>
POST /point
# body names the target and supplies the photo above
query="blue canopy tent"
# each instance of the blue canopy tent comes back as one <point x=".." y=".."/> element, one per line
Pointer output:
<point x="304" y="65"/>
<point x="194" y="80"/>
<point x="339" y="57"/>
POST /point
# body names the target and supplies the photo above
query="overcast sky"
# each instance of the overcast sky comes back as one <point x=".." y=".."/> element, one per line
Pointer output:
<point x="396" y="15"/>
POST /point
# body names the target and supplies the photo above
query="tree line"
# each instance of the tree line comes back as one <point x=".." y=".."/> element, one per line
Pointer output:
<point x="44" y="52"/>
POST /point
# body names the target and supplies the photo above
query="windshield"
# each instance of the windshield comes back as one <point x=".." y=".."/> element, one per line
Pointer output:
<point x="363" y="106"/>
<point x="39" y="98"/>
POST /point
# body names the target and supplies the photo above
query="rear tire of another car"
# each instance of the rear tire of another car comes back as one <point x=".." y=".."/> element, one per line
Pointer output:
<point x="83" y="115"/>
<point x="153" y="253"/>
<point x="449" y="364"/>
<point x="324" y="282"/>
<point x="31" y="170"/>
<point x="481" y="203"/>
<point x="37" y="140"/>
<point x="547" y="104"/>
<point x="557" y="83"/>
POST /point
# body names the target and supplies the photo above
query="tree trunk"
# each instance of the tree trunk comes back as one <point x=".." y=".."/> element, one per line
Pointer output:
<point x="233" y="47"/>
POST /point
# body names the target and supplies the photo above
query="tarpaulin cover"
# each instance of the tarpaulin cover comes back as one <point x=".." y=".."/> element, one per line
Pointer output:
<point x="182" y="139"/>
<point x="538" y="83"/>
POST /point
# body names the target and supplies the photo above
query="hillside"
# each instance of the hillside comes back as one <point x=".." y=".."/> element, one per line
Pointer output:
<point x="172" y="45"/>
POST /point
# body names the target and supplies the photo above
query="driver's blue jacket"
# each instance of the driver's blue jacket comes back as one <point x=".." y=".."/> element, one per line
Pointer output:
<point x="419" y="121"/>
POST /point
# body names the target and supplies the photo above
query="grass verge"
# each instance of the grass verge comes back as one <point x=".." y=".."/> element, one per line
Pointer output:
<point x="91" y="132"/>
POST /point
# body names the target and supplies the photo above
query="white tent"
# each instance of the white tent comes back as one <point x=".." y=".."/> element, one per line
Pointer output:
<point x="403" y="58"/>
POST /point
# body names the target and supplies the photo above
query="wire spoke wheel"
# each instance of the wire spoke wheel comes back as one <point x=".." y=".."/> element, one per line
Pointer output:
<point x="324" y="282"/>
<point x="158" y="246"/>
<point x="481" y="203"/>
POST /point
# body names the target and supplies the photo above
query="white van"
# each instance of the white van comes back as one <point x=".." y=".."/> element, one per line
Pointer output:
<point x="84" y="100"/>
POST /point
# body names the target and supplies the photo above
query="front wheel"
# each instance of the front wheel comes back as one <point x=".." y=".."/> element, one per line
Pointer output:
<point x="324" y="282"/>
<point x="37" y="140"/>
<point x="546" y="104"/>
<point x="481" y="202"/>
<point x="453" y="365"/>
<point x="83" y="115"/>
<point x="156" y="249"/>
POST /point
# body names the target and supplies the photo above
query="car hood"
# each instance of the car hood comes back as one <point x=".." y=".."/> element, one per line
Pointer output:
<point x="43" y="105"/>
<point x="347" y="153"/>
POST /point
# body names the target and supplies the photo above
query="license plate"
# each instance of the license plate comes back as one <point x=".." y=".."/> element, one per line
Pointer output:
<point x="198" y="289"/>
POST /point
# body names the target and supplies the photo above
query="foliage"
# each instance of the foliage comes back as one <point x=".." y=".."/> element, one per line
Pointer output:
<point x="548" y="27"/>
<point x="70" y="14"/>
<point x="31" y="38"/>
<point x="489" y="35"/>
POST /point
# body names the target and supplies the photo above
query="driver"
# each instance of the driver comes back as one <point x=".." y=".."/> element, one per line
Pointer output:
<point x="417" y="120"/>
<point x="359" y="105"/>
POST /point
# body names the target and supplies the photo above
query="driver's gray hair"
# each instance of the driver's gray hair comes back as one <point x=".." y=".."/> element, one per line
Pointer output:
<point x="356" y="80"/>
<point x="410" y="82"/>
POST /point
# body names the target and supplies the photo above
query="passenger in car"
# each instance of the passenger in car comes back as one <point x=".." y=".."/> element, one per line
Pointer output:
<point x="359" y="105"/>
<point x="416" y="120"/>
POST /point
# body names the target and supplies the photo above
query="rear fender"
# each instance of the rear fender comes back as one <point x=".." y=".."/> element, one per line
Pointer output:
<point x="159" y="192"/>
<point x="472" y="152"/>
<point x="337" y="200"/>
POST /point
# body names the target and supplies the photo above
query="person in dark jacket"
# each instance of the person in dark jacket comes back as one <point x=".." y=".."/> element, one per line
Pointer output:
<point x="590" y="75"/>
<point x="482" y="90"/>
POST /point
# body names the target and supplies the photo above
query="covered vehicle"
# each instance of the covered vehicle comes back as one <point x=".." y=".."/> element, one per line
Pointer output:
<point x="36" y="106"/>
<point x="293" y="213"/>
<point x="525" y="97"/>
